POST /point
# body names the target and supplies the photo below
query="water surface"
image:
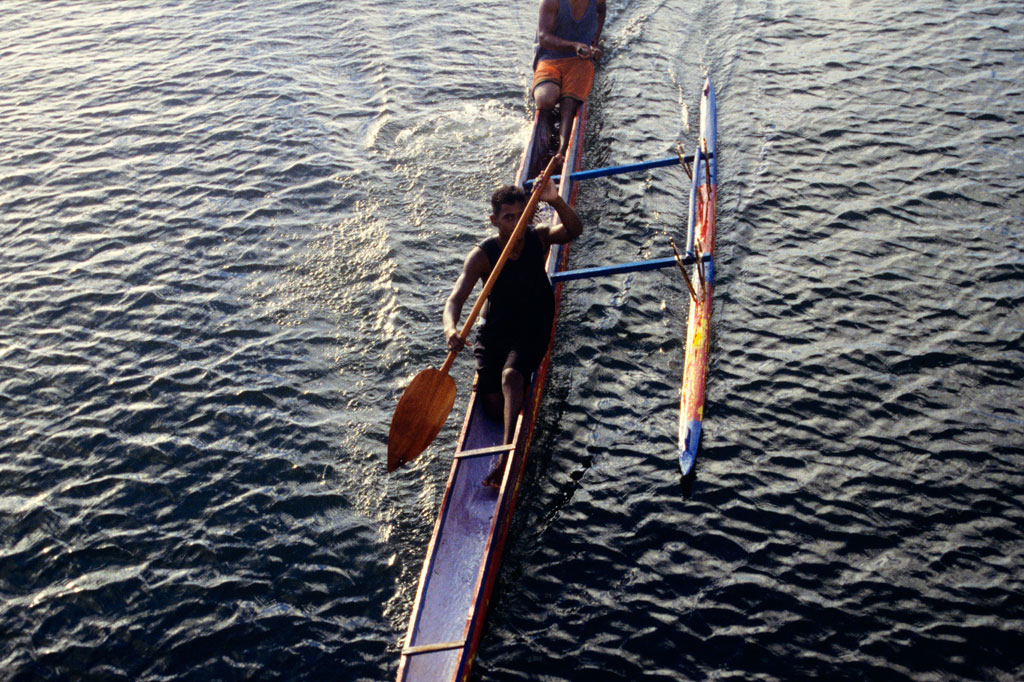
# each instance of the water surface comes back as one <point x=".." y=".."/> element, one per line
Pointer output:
<point x="228" y="231"/>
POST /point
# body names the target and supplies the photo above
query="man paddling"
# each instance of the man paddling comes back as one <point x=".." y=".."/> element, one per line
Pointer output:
<point x="520" y="309"/>
<point x="568" y="32"/>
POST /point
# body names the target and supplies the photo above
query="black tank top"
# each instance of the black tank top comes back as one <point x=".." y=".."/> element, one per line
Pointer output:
<point x="521" y="301"/>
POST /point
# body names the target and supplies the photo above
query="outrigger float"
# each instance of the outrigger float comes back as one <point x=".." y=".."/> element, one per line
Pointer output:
<point x="465" y="551"/>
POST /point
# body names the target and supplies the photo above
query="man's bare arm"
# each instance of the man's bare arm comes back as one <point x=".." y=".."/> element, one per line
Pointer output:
<point x="570" y="226"/>
<point x="472" y="270"/>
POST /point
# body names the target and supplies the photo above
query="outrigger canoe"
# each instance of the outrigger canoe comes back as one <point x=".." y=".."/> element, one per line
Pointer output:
<point x="465" y="551"/>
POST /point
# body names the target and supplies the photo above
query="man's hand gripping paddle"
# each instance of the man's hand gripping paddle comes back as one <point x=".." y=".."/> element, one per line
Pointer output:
<point x="424" y="406"/>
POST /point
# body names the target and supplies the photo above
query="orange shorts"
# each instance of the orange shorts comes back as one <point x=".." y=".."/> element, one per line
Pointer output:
<point x="573" y="76"/>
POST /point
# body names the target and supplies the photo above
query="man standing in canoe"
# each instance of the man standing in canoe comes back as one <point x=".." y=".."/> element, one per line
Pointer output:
<point x="520" y="309"/>
<point x="568" y="32"/>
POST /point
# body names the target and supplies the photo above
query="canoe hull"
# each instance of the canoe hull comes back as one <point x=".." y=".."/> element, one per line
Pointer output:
<point x="464" y="554"/>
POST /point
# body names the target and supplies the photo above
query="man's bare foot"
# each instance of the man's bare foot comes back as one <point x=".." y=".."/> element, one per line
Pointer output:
<point x="496" y="476"/>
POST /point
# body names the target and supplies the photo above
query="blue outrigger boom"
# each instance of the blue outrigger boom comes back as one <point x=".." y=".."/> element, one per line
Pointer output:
<point x="618" y="170"/>
<point x="637" y="266"/>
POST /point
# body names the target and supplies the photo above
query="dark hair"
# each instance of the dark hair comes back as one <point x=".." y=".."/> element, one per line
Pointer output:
<point x="509" y="194"/>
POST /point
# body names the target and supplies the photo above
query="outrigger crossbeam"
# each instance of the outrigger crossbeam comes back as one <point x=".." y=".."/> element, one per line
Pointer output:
<point x="638" y="266"/>
<point x="628" y="168"/>
<point x="622" y="268"/>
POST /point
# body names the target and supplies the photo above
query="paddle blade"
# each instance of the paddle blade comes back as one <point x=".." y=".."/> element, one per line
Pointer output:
<point x="422" y="411"/>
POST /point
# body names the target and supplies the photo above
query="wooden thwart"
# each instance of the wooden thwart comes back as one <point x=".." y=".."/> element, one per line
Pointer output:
<point x="479" y="452"/>
<point x="431" y="648"/>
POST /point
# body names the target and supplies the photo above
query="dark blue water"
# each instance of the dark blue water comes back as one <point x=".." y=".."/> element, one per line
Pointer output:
<point x="227" y="233"/>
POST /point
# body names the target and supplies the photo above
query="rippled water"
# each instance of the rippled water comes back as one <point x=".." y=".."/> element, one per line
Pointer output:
<point x="228" y="230"/>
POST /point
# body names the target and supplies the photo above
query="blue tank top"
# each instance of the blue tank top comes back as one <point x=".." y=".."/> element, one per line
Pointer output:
<point x="582" y="31"/>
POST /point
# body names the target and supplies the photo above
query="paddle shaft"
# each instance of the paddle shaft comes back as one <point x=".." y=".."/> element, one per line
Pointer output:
<point x="524" y="220"/>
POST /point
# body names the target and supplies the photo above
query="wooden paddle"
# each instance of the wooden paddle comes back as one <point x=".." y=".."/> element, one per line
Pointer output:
<point x="424" y="406"/>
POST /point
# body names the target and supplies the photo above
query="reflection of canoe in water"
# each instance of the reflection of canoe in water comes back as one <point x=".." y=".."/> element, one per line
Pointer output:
<point x="465" y="552"/>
